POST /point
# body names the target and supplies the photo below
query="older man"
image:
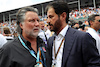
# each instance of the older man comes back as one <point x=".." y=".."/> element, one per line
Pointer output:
<point x="27" y="49"/>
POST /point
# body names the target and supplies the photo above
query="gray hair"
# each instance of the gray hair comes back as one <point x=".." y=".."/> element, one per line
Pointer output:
<point x="21" y="16"/>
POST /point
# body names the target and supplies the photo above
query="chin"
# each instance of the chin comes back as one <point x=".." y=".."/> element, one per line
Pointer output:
<point x="34" y="36"/>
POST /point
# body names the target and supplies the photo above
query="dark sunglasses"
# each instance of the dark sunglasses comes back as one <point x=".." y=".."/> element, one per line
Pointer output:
<point x="98" y="20"/>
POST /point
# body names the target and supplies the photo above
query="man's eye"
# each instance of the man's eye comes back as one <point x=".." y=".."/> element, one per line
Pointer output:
<point x="50" y="16"/>
<point x="31" y="20"/>
<point x="38" y="20"/>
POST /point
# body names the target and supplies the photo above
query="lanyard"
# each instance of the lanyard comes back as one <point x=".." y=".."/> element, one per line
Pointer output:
<point x="31" y="51"/>
<point x="40" y="51"/>
<point x="55" y="54"/>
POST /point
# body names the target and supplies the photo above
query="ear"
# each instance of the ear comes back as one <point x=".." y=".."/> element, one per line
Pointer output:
<point x="64" y="15"/>
<point x="21" y="25"/>
<point x="91" y="23"/>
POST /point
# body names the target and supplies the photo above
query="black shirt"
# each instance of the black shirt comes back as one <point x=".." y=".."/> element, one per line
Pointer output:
<point x="14" y="54"/>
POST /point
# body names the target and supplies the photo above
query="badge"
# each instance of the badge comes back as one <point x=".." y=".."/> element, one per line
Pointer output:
<point x="40" y="65"/>
<point x="44" y="49"/>
<point x="54" y="65"/>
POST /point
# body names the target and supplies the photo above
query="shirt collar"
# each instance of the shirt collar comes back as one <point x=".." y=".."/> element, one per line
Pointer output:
<point x="91" y="29"/>
<point x="41" y="30"/>
<point x="63" y="32"/>
<point x="28" y="44"/>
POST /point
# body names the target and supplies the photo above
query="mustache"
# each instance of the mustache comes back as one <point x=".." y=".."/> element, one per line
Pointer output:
<point x="50" y="24"/>
<point x="36" y="28"/>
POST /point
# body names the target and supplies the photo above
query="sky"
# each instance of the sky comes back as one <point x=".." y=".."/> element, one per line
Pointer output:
<point x="6" y="5"/>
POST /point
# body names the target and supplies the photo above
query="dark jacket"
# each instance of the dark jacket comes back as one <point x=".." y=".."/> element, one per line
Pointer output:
<point x="14" y="54"/>
<point x="79" y="50"/>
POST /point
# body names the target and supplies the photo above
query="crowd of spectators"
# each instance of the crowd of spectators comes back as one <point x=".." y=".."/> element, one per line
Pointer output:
<point x="8" y="29"/>
<point x="83" y="13"/>
<point x="73" y="15"/>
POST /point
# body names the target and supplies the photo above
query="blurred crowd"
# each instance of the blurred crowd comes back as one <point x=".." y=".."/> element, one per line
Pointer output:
<point x="83" y="13"/>
<point x="8" y="29"/>
<point x="47" y="41"/>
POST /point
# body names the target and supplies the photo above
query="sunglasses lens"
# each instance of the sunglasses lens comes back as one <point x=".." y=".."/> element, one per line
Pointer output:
<point x="98" y="20"/>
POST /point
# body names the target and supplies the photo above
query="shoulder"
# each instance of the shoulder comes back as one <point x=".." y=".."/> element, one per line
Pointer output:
<point x="50" y="40"/>
<point x="40" y="41"/>
<point x="11" y="44"/>
<point x="76" y="34"/>
<point x="1" y="36"/>
<point x="2" y="39"/>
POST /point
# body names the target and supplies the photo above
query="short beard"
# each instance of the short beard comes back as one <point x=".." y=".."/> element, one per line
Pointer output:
<point x="57" y="25"/>
<point x="31" y="34"/>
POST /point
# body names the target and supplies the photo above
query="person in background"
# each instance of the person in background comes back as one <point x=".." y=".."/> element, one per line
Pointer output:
<point x="68" y="47"/>
<point x="42" y="26"/>
<point x="42" y="32"/>
<point x="2" y="40"/>
<point x="15" y="34"/>
<point x="27" y="50"/>
<point x="94" y="22"/>
<point x="7" y="33"/>
<point x="48" y="32"/>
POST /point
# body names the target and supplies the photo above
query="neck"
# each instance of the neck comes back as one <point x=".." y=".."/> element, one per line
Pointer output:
<point x="62" y="27"/>
<point x="95" y="29"/>
<point x="33" y="42"/>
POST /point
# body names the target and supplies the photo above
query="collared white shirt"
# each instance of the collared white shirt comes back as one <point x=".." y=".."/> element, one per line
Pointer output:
<point x="48" y="33"/>
<point x="95" y="35"/>
<point x="57" y="42"/>
<point x="42" y="36"/>
<point x="2" y="40"/>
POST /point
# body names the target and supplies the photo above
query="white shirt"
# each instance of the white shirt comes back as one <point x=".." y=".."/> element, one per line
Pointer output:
<point x="2" y="40"/>
<point x="48" y="33"/>
<point x="58" y="41"/>
<point x="95" y="35"/>
<point x="42" y="36"/>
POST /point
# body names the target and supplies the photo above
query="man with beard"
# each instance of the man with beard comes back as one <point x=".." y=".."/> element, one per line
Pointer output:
<point x="27" y="50"/>
<point x="68" y="47"/>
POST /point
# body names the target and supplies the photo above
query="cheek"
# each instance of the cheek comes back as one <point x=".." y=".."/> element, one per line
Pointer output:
<point x="29" y="25"/>
<point x="54" y="20"/>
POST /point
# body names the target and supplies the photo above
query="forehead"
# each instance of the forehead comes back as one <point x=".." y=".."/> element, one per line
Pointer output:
<point x="97" y="17"/>
<point x="30" y="15"/>
<point x="51" y="11"/>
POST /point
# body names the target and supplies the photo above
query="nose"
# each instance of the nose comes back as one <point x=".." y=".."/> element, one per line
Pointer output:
<point x="36" y="23"/>
<point x="48" y="20"/>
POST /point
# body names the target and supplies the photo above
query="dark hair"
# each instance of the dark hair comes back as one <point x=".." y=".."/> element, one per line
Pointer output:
<point x="92" y="18"/>
<point x="21" y="16"/>
<point x="59" y="7"/>
<point x="6" y="30"/>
